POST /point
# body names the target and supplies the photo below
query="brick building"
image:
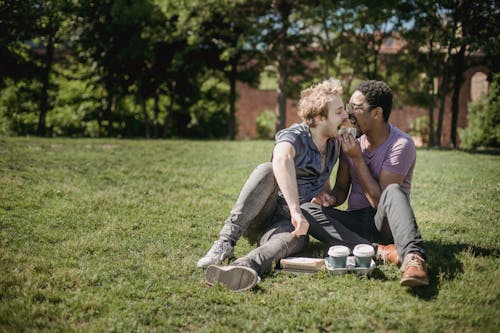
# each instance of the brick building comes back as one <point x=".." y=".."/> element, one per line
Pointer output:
<point x="253" y="101"/>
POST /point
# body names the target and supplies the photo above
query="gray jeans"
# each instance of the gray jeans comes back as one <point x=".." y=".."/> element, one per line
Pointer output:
<point x="253" y="212"/>
<point x="260" y="215"/>
<point x="392" y="222"/>
<point x="276" y="243"/>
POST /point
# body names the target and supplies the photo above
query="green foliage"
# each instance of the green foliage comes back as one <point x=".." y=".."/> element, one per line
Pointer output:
<point x="18" y="107"/>
<point x="268" y="79"/>
<point x="104" y="235"/>
<point x="419" y="127"/>
<point x="483" y="120"/>
<point x="266" y="124"/>
<point x="209" y="114"/>
<point x="152" y="58"/>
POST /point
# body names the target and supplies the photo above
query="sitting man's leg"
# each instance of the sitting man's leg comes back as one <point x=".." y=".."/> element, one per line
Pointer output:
<point x="395" y="220"/>
<point x="277" y="243"/>
<point x="255" y="205"/>
<point x="330" y="225"/>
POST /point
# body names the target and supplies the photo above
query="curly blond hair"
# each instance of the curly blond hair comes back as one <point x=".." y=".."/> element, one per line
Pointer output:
<point x="314" y="100"/>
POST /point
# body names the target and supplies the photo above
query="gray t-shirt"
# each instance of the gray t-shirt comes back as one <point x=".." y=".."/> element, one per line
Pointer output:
<point x="310" y="176"/>
<point x="397" y="154"/>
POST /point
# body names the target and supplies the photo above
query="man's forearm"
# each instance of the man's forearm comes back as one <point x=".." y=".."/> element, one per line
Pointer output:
<point x="369" y="185"/>
<point x="284" y="172"/>
<point x="339" y="195"/>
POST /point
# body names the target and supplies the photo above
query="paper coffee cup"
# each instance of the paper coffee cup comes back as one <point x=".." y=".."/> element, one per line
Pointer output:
<point x="348" y="130"/>
<point x="363" y="254"/>
<point x="337" y="256"/>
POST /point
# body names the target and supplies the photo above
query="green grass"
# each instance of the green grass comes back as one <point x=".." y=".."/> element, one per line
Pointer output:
<point x="104" y="235"/>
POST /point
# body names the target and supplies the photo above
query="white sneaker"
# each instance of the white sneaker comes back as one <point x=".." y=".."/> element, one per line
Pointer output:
<point x="220" y="251"/>
<point x="235" y="278"/>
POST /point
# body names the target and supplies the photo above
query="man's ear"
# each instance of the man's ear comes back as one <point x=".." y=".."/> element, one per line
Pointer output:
<point x="378" y="112"/>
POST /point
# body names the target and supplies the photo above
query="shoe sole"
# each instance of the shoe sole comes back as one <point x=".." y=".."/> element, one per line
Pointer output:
<point x="413" y="282"/>
<point x="236" y="278"/>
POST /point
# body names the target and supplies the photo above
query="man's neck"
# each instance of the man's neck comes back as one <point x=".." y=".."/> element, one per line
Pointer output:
<point x="319" y="139"/>
<point x="378" y="135"/>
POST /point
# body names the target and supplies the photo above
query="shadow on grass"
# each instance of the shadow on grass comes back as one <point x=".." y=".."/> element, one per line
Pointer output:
<point x="478" y="151"/>
<point x="485" y="151"/>
<point x="443" y="264"/>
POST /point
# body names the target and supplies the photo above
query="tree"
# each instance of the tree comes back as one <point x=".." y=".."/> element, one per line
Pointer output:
<point x="108" y="37"/>
<point x="483" y="119"/>
<point x="477" y="31"/>
<point x="38" y="24"/>
<point x="225" y="31"/>
<point x="426" y="55"/>
<point x="285" y="42"/>
<point x="18" y="26"/>
<point x="372" y="24"/>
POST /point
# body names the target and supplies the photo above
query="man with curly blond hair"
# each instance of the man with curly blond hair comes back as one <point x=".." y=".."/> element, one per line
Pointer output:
<point x="303" y="159"/>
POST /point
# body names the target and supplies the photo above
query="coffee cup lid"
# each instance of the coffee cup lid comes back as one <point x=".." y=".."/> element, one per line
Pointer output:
<point x="363" y="250"/>
<point x="338" y="251"/>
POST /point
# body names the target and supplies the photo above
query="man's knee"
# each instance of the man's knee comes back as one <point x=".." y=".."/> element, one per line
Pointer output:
<point x="391" y="189"/>
<point x="310" y="207"/>
<point x="311" y="211"/>
<point x="393" y="194"/>
<point x="264" y="169"/>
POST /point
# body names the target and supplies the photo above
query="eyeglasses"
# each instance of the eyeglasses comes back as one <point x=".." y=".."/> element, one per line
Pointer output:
<point x="351" y="108"/>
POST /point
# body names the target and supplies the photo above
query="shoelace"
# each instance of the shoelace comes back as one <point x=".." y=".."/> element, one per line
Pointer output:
<point x="415" y="261"/>
<point x="219" y="247"/>
<point x="382" y="255"/>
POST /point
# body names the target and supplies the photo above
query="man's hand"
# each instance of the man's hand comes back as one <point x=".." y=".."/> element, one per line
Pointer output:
<point x="300" y="223"/>
<point x="351" y="146"/>
<point x="324" y="199"/>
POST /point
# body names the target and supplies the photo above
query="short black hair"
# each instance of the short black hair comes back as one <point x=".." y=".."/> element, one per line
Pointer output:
<point x="377" y="93"/>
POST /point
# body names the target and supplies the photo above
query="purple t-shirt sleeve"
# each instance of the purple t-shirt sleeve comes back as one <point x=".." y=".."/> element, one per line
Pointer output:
<point x="400" y="157"/>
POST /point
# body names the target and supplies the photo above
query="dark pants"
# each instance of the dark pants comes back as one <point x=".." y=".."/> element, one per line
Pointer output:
<point x="392" y="222"/>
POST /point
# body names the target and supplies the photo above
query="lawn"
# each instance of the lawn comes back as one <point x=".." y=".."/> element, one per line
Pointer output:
<point x="104" y="235"/>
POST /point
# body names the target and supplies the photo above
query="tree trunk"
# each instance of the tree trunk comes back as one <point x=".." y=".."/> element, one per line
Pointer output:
<point x="156" y="112"/>
<point x="170" y="111"/>
<point x="44" y="95"/>
<point x="443" y="93"/>
<point x="432" y="141"/>
<point x="232" y="98"/>
<point x="110" y="109"/>
<point x="432" y="101"/>
<point x="459" y="70"/>
<point x="284" y="11"/>
<point x="281" y="96"/>
<point x="147" y="129"/>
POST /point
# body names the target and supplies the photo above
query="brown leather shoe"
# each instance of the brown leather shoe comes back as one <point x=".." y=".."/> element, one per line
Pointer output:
<point x="387" y="253"/>
<point x="414" y="271"/>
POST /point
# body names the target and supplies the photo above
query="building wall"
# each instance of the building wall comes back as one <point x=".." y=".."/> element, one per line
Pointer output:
<point x="253" y="101"/>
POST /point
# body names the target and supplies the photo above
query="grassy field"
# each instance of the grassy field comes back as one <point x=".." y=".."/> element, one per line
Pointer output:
<point x="104" y="235"/>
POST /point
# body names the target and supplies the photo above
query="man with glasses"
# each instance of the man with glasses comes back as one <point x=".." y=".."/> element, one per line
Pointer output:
<point x="377" y="167"/>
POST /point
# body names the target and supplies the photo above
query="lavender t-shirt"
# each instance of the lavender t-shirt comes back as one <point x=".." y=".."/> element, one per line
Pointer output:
<point x="397" y="154"/>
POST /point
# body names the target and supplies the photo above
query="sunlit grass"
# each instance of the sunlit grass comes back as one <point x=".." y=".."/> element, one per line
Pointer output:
<point x="104" y="235"/>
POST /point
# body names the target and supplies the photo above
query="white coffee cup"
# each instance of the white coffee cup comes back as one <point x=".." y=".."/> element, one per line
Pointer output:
<point x="348" y="130"/>
<point x="363" y="254"/>
<point x="337" y="256"/>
